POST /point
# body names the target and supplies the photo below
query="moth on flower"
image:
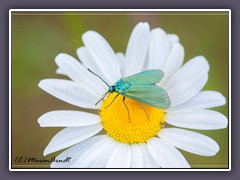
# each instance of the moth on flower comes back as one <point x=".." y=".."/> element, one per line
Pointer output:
<point x="140" y="87"/>
<point x="177" y="99"/>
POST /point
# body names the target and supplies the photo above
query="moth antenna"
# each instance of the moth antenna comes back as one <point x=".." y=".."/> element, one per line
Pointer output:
<point x="98" y="77"/>
<point x="101" y="98"/>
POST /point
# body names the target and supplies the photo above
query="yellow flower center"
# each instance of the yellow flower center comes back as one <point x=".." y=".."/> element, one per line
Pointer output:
<point x="142" y="123"/>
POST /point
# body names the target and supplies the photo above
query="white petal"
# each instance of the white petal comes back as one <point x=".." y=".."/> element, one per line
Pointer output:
<point x="75" y="151"/>
<point x="137" y="48"/>
<point x="71" y="92"/>
<point x="70" y="66"/>
<point x="86" y="159"/>
<point x="70" y="136"/>
<point x="122" y="62"/>
<point x="136" y="156"/>
<point x="78" y="73"/>
<point x="120" y="158"/>
<point x="60" y="71"/>
<point x="101" y="160"/>
<point x="103" y="55"/>
<point x="173" y="38"/>
<point x="202" y="119"/>
<point x="68" y="119"/>
<point x="203" y="100"/>
<point x="148" y="161"/>
<point x="166" y="155"/>
<point x="188" y="81"/>
<point x="88" y="61"/>
<point x="189" y="141"/>
<point x="174" y="62"/>
<point x="159" y="47"/>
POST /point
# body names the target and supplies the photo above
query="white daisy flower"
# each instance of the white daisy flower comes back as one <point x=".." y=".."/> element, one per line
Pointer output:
<point x="140" y="142"/>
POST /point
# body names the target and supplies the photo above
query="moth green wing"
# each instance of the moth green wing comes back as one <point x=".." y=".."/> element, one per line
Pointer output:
<point x="145" y="77"/>
<point x="151" y="95"/>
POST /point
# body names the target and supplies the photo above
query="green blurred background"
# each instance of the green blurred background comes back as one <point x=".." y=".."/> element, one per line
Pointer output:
<point x="38" y="37"/>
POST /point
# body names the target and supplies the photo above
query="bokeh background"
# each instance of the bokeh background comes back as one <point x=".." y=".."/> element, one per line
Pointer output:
<point x="37" y="37"/>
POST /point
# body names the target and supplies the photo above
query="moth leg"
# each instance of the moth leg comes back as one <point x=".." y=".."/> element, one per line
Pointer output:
<point x="112" y="100"/>
<point x="126" y="108"/>
<point x="144" y="111"/>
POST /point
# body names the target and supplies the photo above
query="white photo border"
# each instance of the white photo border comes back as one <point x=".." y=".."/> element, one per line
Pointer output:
<point x="118" y="10"/>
